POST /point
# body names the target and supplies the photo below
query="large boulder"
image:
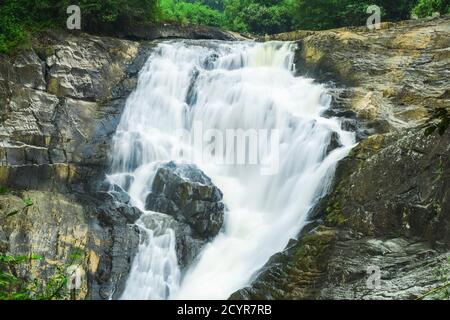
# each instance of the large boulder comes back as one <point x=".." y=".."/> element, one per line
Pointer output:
<point x="186" y="193"/>
<point x="190" y="205"/>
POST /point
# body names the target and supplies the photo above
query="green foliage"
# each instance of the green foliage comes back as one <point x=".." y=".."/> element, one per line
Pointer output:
<point x="20" y="18"/>
<point x="335" y="216"/>
<point x="213" y="4"/>
<point x="114" y="12"/>
<point x="4" y="190"/>
<point x="259" y="16"/>
<point x="26" y="203"/>
<point x="16" y="287"/>
<point x="426" y="8"/>
<point x="274" y="16"/>
<point x="327" y="14"/>
<point x="186" y="12"/>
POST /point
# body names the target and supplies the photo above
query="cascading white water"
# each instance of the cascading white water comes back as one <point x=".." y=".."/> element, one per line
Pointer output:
<point x="224" y="85"/>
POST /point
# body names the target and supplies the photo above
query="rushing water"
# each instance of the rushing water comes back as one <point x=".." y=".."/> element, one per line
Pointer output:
<point x="223" y="85"/>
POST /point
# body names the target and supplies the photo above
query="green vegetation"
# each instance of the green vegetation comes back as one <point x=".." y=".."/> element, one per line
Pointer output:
<point x="187" y="12"/>
<point x="273" y="16"/>
<point x="14" y="285"/>
<point x="20" y="18"/>
<point x="426" y="8"/>
<point x="260" y="16"/>
<point x="335" y="215"/>
<point x="327" y="14"/>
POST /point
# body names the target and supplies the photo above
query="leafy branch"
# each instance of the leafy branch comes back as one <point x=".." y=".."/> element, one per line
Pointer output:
<point x="26" y="204"/>
<point x="16" y="287"/>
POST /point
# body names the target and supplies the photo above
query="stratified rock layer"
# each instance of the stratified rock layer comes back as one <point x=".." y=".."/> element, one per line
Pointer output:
<point x="60" y="105"/>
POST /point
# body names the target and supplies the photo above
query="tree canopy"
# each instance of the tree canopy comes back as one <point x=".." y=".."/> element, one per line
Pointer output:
<point x="20" y="18"/>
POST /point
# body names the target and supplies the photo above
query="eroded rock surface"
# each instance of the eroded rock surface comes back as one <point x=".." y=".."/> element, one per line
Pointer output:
<point x="60" y="104"/>
<point x="389" y="208"/>
<point x="389" y="77"/>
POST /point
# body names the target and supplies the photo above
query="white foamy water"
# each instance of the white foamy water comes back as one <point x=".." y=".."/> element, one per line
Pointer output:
<point x="223" y="85"/>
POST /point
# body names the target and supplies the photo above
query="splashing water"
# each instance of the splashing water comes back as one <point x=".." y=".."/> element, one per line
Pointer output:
<point x="224" y="85"/>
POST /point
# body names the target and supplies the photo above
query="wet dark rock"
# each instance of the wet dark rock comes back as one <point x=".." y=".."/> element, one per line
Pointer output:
<point x="192" y="207"/>
<point x="334" y="142"/>
<point x="187" y="194"/>
<point x="210" y="61"/>
<point x="187" y="244"/>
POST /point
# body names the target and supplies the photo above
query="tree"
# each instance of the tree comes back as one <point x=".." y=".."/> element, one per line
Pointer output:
<point x="426" y="8"/>
<point x="187" y="12"/>
<point x="20" y="18"/>
<point x="327" y="14"/>
<point x="259" y="16"/>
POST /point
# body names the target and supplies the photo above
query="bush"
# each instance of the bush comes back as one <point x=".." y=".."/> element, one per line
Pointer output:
<point x="426" y="8"/>
<point x="19" y="18"/>
<point x="12" y="34"/>
<point x="195" y="13"/>
<point x="327" y="14"/>
<point x="259" y="16"/>
<point x="115" y="12"/>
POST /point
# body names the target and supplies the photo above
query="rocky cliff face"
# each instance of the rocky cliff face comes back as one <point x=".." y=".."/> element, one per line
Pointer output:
<point x="60" y="103"/>
<point x="389" y="207"/>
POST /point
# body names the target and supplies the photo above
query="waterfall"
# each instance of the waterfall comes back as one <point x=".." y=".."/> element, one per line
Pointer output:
<point x="222" y="86"/>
